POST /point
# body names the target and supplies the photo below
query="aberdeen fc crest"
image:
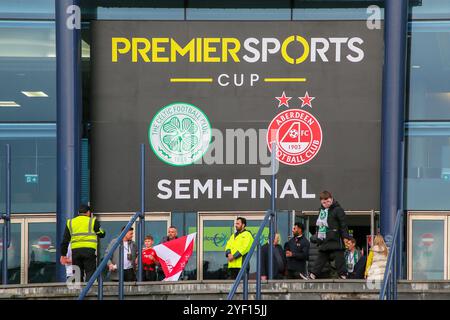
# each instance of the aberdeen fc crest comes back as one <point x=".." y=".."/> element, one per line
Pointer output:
<point x="297" y="133"/>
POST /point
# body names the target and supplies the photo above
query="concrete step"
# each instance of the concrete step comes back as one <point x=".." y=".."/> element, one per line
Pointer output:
<point x="218" y="290"/>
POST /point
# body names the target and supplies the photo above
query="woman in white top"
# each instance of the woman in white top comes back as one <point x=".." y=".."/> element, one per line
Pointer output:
<point x="377" y="259"/>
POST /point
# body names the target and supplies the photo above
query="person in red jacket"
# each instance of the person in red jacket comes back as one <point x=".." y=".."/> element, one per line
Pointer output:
<point x="149" y="259"/>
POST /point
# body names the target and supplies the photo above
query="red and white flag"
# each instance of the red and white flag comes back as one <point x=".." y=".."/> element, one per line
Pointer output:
<point x="174" y="255"/>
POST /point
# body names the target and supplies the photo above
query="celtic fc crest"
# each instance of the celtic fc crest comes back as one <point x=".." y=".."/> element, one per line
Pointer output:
<point x="179" y="134"/>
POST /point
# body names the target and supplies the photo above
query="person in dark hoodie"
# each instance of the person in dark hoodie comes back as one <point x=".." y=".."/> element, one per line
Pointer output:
<point x="331" y="231"/>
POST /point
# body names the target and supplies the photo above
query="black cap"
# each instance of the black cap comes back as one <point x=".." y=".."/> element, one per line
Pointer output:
<point x="84" y="208"/>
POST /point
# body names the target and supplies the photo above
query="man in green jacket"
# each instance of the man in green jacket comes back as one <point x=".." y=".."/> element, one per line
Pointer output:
<point x="237" y="247"/>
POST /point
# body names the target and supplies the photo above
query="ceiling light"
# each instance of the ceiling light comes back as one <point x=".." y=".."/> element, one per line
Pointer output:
<point x="34" y="94"/>
<point x="416" y="67"/>
<point x="9" y="104"/>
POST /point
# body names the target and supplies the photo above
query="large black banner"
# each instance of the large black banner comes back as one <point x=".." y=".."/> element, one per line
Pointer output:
<point x="208" y="99"/>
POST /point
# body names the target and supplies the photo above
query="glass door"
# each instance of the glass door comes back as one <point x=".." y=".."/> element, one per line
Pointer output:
<point x="215" y="230"/>
<point x="428" y="247"/>
<point x="156" y="224"/>
<point x="15" y="253"/>
<point x="41" y="250"/>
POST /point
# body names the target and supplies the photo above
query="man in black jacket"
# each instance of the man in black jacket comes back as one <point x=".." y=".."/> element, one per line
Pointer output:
<point x="331" y="230"/>
<point x="297" y="253"/>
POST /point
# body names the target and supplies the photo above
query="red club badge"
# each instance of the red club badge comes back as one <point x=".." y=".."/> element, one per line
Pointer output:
<point x="298" y="136"/>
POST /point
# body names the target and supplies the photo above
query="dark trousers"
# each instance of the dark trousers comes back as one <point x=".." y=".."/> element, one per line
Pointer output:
<point x="292" y="274"/>
<point x="325" y="256"/>
<point x="86" y="260"/>
<point x="160" y="274"/>
<point x="233" y="273"/>
<point x="128" y="275"/>
<point x="149" y="275"/>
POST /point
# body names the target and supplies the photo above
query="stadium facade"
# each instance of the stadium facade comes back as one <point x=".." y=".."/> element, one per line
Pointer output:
<point x="202" y="84"/>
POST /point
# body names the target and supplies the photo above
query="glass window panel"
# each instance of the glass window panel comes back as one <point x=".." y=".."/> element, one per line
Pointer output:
<point x="41" y="252"/>
<point x="283" y="227"/>
<point x="428" y="249"/>
<point x="186" y="223"/>
<point x="215" y="236"/>
<point x="112" y="230"/>
<point x="333" y="14"/>
<point x="158" y="229"/>
<point x="140" y="13"/>
<point x="177" y="220"/>
<point x="431" y="9"/>
<point x="27" y="9"/>
<point x="239" y="4"/>
<point x="14" y="254"/>
<point x="27" y="64"/>
<point x="33" y="166"/>
<point x="429" y="87"/>
<point x="428" y="166"/>
<point x="27" y="39"/>
<point x="253" y="227"/>
<point x="238" y="14"/>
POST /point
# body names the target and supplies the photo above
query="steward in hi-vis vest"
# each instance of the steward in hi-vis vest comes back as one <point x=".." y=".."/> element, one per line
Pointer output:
<point x="237" y="247"/>
<point x="82" y="232"/>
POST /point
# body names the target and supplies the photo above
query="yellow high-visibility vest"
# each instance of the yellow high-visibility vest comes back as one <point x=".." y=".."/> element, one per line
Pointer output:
<point x="82" y="232"/>
<point x="242" y="243"/>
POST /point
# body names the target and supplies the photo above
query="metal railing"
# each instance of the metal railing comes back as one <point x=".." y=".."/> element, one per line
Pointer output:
<point x="6" y="217"/>
<point x="98" y="272"/>
<point x="394" y="265"/>
<point x="243" y="273"/>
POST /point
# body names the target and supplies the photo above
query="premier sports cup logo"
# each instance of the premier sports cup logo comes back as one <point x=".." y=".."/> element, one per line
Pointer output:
<point x="179" y="134"/>
<point x="298" y="136"/>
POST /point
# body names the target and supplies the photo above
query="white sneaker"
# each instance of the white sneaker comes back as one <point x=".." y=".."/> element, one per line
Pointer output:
<point x="304" y="277"/>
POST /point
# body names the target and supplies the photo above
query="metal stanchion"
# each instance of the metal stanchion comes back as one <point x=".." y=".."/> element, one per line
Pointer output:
<point x="258" y="272"/>
<point x="245" y="285"/>
<point x="121" y="285"/>
<point x="100" y="287"/>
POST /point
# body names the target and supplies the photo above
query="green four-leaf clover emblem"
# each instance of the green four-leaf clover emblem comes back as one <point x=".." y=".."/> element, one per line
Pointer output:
<point x="180" y="136"/>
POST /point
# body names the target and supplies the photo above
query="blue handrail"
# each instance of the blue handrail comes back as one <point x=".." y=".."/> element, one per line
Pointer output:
<point x="102" y="265"/>
<point x="244" y="269"/>
<point x="394" y="265"/>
